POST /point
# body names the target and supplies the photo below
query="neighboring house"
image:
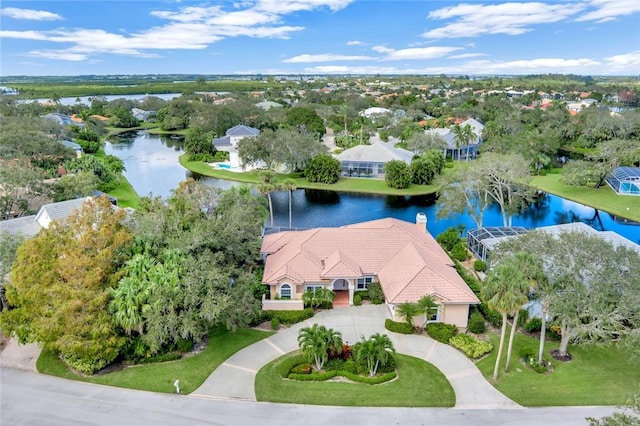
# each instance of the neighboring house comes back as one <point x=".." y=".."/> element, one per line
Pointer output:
<point x="374" y="112"/>
<point x="369" y="160"/>
<point x="625" y="180"/>
<point x="402" y="256"/>
<point x="141" y="115"/>
<point x="77" y="148"/>
<point x="29" y="226"/>
<point x="482" y="241"/>
<point x="229" y="142"/>
<point x="467" y="151"/>
<point x="61" y="119"/>
<point x="267" y="105"/>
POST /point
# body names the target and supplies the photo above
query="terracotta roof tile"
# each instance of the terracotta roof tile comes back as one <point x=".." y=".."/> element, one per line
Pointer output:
<point x="406" y="258"/>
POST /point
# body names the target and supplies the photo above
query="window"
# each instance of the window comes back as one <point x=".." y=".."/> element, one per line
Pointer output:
<point x="363" y="283"/>
<point x="285" y="291"/>
<point x="313" y="288"/>
<point x="432" y="316"/>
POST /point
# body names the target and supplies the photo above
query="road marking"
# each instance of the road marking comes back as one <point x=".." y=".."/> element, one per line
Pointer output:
<point x="240" y="368"/>
<point x="433" y="345"/>
<point x="275" y="347"/>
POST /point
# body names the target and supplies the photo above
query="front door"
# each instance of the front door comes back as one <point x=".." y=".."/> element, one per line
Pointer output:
<point x="341" y="284"/>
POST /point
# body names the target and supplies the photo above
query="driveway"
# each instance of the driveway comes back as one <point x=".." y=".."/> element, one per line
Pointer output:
<point x="235" y="378"/>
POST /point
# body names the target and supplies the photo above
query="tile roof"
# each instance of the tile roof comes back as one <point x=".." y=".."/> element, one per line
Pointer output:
<point x="379" y="152"/>
<point x="406" y="258"/>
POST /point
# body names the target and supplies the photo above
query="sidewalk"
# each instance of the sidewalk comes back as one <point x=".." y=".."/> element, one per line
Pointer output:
<point x="234" y="379"/>
<point x="23" y="357"/>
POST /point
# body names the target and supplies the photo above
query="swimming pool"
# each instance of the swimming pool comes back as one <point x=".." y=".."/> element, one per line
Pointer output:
<point x="223" y="166"/>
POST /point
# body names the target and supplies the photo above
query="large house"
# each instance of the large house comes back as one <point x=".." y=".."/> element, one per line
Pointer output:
<point x="369" y="160"/>
<point x="402" y="256"/>
<point x="469" y="151"/>
<point x="229" y="142"/>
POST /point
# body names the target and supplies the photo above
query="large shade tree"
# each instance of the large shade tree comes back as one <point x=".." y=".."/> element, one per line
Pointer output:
<point x="60" y="284"/>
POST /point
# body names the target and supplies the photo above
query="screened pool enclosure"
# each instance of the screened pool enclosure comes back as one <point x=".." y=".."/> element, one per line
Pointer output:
<point x="481" y="241"/>
<point x="625" y="180"/>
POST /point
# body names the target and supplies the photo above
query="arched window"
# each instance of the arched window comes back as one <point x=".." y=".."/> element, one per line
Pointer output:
<point x="285" y="291"/>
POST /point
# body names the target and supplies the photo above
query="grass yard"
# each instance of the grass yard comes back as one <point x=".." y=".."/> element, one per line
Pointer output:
<point x="419" y="384"/>
<point x="191" y="372"/>
<point x="603" y="198"/>
<point x="371" y="186"/>
<point x="597" y="375"/>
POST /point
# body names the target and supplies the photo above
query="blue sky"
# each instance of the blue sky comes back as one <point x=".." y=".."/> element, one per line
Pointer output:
<point x="588" y="37"/>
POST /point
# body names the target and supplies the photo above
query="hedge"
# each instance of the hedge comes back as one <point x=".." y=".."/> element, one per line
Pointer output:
<point x="441" y="332"/>
<point x="289" y="317"/>
<point x="398" y="327"/>
<point x="324" y="376"/>
<point x="470" y="346"/>
<point x="285" y="367"/>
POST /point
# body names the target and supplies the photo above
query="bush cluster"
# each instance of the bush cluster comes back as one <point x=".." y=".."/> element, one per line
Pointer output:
<point x="285" y="367"/>
<point x="374" y="291"/>
<point x="357" y="299"/>
<point x="398" y="327"/>
<point x="533" y="325"/>
<point x="275" y="323"/>
<point x="170" y="356"/>
<point x="289" y="317"/>
<point x="330" y="374"/>
<point x="480" y="265"/>
<point x="459" y="252"/>
<point x="494" y="317"/>
<point x="470" y="346"/>
<point x="184" y="345"/>
<point x="529" y="356"/>
<point x="441" y="332"/>
<point x="476" y="323"/>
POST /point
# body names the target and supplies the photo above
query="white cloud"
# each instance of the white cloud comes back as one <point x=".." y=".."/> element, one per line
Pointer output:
<point x="414" y="53"/>
<point x="466" y="55"/>
<point x="326" y="57"/>
<point x="628" y="63"/>
<point x="607" y="10"/>
<point x="29" y="14"/>
<point x="355" y="43"/>
<point x="472" y="20"/>
<point x="190" y="27"/>
<point x="480" y="67"/>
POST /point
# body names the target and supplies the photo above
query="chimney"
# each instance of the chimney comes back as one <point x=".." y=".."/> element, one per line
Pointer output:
<point x="421" y="221"/>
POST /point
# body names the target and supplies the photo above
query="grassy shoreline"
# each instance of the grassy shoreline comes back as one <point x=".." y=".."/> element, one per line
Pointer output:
<point x="604" y="199"/>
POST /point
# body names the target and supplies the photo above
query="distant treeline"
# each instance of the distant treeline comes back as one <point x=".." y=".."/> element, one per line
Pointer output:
<point x="53" y="90"/>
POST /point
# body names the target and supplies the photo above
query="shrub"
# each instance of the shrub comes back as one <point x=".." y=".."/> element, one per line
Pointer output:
<point x="170" y="356"/>
<point x="323" y="168"/>
<point x="357" y="299"/>
<point x="397" y="174"/>
<point x="523" y="317"/>
<point x="471" y="281"/>
<point x="526" y="352"/>
<point x="314" y="377"/>
<point x="459" y="252"/>
<point x="476" y="323"/>
<point x="471" y="347"/>
<point x="275" y="323"/>
<point x="381" y="378"/>
<point x="529" y="356"/>
<point x="289" y="317"/>
<point x="287" y="364"/>
<point x="376" y="296"/>
<point x="448" y="239"/>
<point x="494" y="317"/>
<point x="534" y="325"/>
<point x="184" y="345"/>
<point x="398" y="327"/>
<point x="480" y="265"/>
<point x="305" y="368"/>
<point x="202" y="156"/>
<point x="89" y="147"/>
<point x="441" y="332"/>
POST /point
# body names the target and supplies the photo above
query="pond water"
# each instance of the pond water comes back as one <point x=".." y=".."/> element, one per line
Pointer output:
<point x="152" y="167"/>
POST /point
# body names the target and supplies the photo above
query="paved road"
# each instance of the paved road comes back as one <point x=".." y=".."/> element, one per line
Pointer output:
<point x="28" y="398"/>
<point x="235" y="378"/>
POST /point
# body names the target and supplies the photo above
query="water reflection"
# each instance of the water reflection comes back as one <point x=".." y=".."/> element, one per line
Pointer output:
<point x="153" y="167"/>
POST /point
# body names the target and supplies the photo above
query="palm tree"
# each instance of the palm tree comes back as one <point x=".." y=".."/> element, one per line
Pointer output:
<point x="376" y="351"/>
<point x="316" y="340"/>
<point x="463" y="137"/>
<point x="289" y="185"/>
<point x="426" y="305"/>
<point x="531" y="273"/>
<point x="344" y="110"/>
<point x="499" y="295"/>
<point x="267" y="186"/>
<point x="408" y="311"/>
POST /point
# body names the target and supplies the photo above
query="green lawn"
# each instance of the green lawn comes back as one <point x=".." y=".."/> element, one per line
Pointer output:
<point x="126" y="195"/>
<point x="372" y="186"/>
<point x="191" y="372"/>
<point x="597" y="375"/>
<point x="603" y="198"/>
<point x="419" y="384"/>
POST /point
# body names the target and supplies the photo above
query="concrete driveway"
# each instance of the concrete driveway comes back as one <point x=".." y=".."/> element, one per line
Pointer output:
<point x="234" y="379"/>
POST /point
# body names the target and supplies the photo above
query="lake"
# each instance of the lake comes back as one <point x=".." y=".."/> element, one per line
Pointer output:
<point x="153" y="168"/>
